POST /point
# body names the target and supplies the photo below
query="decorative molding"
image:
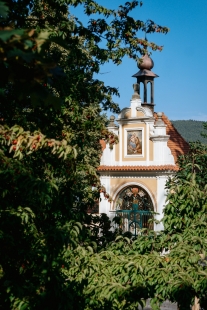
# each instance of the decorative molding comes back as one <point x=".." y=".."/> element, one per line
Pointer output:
<point x="123" y="112"/>
<point x="143" y="163"/>
<point x="151" y="130"/>
<point x="142" y="175"/>
<point x="133" y="120"/>
<point x="120" y="145"/>
<point x="130" y="176"/>
<point x="160" y="138"/>
<point x="125" y="142"/>
<point x="147" y="143"/>
<point x="105" y="176"/>
<point x="161" y="176"/>
<point x="134" y="103"/>
<point x="145" y="110"/>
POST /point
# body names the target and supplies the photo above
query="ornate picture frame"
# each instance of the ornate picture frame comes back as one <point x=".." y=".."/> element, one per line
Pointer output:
<point x="134" y="142"/>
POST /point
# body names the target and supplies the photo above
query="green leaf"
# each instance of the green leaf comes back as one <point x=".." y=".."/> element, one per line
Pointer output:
<point x="7" y="34"/>
<point x="3" y="9"/>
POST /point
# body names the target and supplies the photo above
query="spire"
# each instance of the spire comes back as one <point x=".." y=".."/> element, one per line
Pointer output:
<point x="145" y="76"/>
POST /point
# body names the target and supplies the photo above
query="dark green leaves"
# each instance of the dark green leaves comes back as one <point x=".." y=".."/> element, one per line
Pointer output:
<point x="3" y="10"/>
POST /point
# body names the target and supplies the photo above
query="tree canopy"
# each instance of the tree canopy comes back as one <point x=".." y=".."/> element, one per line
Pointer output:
<point x="53" y="254"/>
<point x="51" y="122"/>
<point x="167" y="265"/>
<point x="190" y="130"/>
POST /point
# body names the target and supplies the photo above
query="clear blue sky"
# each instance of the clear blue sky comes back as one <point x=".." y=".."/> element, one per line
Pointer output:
<point x="181" y="89"/>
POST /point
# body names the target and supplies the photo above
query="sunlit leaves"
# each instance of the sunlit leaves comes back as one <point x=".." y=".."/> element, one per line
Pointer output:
<point x="23" y="142"/>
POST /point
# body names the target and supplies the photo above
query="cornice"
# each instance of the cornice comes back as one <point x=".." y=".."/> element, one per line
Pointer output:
<point x="155" y="175"/>
<point x="132" y="120"/>
<point x="160" y="138"/>
<point x="137" y="169"/>
<point x="128" y="176"/>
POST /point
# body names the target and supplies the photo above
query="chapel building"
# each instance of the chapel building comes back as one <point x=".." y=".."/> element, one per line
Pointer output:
<point x="135" y="171"/>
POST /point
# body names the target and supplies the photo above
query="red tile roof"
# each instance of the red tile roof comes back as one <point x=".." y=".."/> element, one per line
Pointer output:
<point x="138" y="168"/>
<point x="176" y="142"/>
<point x="103" y="144"/>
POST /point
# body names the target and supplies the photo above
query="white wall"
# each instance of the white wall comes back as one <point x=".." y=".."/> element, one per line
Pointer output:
<point x="161" y="200"/>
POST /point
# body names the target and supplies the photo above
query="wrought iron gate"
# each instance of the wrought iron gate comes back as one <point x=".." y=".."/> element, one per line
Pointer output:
<point x="134" y="220"/>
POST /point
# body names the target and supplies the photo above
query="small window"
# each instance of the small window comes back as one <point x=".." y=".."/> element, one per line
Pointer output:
<point x="135" y="208"/>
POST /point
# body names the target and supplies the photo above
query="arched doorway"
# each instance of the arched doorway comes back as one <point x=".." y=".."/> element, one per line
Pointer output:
<point x="135" y="208"/>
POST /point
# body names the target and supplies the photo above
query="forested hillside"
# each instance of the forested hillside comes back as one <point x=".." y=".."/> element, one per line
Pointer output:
<point x="190" y="130"/>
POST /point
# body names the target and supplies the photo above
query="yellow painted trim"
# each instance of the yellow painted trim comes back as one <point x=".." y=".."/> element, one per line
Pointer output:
<point x="149" y="184"/>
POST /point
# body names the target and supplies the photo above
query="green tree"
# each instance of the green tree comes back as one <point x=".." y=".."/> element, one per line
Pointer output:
<point x="166" y="265"/>
<point x="190" y="130"/>
<point x="51" y="123"/>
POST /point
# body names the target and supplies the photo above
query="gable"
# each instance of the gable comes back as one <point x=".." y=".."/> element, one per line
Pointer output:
<point x="140" y="114"/>
<point x="176" y="142"/>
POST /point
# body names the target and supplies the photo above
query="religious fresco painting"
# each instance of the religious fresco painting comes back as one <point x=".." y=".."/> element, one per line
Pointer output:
<point x="134" y="142"/>
<point x="133" y="198"/>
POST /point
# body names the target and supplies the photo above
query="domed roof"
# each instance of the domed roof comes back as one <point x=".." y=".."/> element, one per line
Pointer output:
<point x="146" y="63"/>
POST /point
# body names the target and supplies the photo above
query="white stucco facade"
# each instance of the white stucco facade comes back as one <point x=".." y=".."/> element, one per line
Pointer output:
<point x="140" y="164"/>
<point x="148" y="169"/>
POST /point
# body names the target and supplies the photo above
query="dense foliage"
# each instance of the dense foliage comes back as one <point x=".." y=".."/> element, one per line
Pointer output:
<point x="190" y="130"/>
<point x="168" y="265"/>
<point x="51" y="123"/>
<point x="53" y="255"/>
